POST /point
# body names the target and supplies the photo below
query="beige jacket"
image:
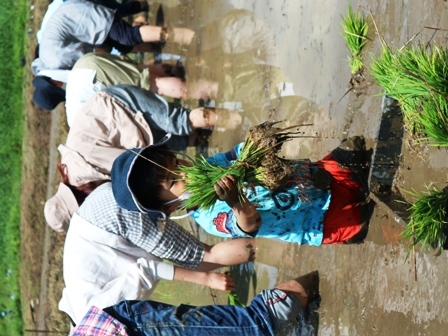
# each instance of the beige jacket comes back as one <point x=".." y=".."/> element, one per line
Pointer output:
<point x="102" y="130"/>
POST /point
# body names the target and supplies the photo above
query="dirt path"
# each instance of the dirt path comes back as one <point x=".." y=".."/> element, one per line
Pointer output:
<point x="40" y="318"/>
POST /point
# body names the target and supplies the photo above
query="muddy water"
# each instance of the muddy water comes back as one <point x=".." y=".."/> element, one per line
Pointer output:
<point x="286" y="60"/>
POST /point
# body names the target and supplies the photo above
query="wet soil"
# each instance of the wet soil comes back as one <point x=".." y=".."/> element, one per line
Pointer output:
<point x="286" y="60"/>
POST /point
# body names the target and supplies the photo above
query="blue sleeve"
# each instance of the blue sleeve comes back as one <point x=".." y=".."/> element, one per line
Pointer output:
<point x="219" y="221"/>
<point x="226" y="159"/>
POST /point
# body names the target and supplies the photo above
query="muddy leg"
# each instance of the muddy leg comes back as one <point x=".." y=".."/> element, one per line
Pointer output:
<point x="210" y="117"/>
<point x="228" y="253"/>
<point x="305" y="288"/>
<point x="169" y="86"/>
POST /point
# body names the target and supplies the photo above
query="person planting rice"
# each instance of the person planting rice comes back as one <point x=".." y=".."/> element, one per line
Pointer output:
<point x="115" y="119"/>
<point x="115" y="243"/>
<point x="78" y="27"/>
<point x="292" y="200"/>
<point x="288" y="309"/>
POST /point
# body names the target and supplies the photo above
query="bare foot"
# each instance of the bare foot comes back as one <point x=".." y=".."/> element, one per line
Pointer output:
<point x="227" y="119"/>
<point x="202" y="89"/>
<point x="305" y="288"/>
<point x="182" y="35"/>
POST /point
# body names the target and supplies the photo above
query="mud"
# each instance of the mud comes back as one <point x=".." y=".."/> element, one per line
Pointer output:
<point x="286" y="60"/>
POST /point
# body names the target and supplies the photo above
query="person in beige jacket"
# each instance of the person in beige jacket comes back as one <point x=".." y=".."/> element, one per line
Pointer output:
<point x="118" y="118"/>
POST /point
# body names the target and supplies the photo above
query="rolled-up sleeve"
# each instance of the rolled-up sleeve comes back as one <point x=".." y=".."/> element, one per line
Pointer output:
<point x="172" y="242"/>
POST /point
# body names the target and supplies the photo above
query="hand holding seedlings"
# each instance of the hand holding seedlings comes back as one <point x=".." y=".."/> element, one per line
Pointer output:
<point x="227" y="190"/>
<point x="247" y="215"/>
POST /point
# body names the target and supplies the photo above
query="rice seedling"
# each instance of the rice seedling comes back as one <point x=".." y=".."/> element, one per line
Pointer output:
<point x="257" y="164"/>
<point x="397" y="81"/>
<point x="355" y="31"/>
<point x="434" y="120"/>
<point x="418" y="79"/>
<point x="234" y="300"/>
<point x="428" y="218"/>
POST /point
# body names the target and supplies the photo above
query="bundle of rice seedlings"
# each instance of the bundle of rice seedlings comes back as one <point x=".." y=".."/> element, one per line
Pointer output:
<point x="428" y="218"/>
<point x="355" y="31"/>
<point x="418" y="79"/>
<point x="433" y="120"/>
<point x="396" y="81"/>
<point x="257" y="164"/>
<point x="427" y="68"/>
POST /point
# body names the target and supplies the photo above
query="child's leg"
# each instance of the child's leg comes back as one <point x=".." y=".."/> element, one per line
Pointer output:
<point x="208" y="117"/>
<point x="176" y="88"/>
<point x="343" y="218"/>
<point x="202" y="89"/>
<point x="305" y="288"/>
<point x="168" y="86"/>
<point x="228" y="253"/>
<point x="156" y="33"/>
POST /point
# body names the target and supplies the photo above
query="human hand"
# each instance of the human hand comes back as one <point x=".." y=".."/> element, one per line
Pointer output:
<point x="227" y="190"/>
<point x="220" y="281"/>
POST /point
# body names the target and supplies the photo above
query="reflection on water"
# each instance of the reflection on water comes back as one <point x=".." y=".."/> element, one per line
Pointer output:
<point x="286" y="60"/>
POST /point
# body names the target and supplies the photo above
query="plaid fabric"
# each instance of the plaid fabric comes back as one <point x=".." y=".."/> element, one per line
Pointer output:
<point x="170" y="241"/>
<point x="98" y="323"/>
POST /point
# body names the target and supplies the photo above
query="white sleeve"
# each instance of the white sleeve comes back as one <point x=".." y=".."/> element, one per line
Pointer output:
<point x="137" y="283"/>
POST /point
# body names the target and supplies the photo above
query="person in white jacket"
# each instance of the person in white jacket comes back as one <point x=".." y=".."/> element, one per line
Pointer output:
<point x="111" y="233"/>
<point x="102" y="269"/>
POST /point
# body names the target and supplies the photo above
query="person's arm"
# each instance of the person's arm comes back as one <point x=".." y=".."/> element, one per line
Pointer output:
<point x="226" y="159"/>
<point x="220" y="281"/>
<point x="228" y="253"/>
<point x="247" y="215"/>
<point x="136" y="282"/>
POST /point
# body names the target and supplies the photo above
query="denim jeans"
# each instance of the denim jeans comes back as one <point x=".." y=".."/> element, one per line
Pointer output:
<point x="268" y="312"/>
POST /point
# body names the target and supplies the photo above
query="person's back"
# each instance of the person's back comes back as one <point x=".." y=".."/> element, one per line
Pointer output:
<point x="103" y="129"/>
<point x="72" y="31"/>
<point x="101" y="267"/>
<point x="94" y="72"/>
<point x="112" y="70"/>
<point x="52" y="7"/>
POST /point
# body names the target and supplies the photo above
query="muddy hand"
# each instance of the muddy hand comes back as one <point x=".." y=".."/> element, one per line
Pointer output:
<point x="227" y="190"/>
<point x="220" y="281"/>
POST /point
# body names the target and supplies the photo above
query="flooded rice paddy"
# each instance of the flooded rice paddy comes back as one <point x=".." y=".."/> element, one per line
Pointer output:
<point x="286" y="60"/>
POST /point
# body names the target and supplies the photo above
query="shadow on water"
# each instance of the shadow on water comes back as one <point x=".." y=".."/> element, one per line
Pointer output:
<point x="386" y="160"/>
<point x="369" y="288"/>
<point x="246" y="278"/>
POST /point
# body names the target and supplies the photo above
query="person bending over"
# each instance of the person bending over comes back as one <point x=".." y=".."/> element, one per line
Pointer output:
<point x="94" y="72"/>
<point x="114" y="241"/>
<point x="116" y="119"/>
<point x="79" y="26"/>
<point x="274" y="311"/>
<point x="323" y="203"/>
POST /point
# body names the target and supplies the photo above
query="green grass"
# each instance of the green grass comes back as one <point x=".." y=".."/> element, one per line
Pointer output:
<point x="418" y="79"/>
<point x="13" y="16"/>
<point x="428" y="215"/>
<point x="355" y="31"/>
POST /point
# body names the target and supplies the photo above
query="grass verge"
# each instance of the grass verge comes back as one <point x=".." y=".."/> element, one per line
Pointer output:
<point x="13" y="16"/>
